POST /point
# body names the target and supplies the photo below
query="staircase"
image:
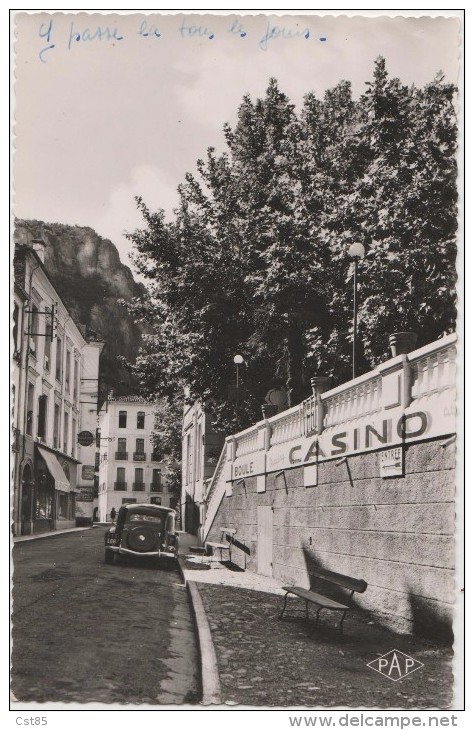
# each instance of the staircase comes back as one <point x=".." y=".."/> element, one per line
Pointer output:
<point x="215" y="492"/>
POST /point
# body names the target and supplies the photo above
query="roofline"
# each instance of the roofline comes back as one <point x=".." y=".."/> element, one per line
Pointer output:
<point x="20" y="291"/>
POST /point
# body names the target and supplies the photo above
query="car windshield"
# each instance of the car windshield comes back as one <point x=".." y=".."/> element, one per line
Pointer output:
<point x="138" y="517"/>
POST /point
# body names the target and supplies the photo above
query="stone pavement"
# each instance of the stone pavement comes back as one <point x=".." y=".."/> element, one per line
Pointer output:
<point x="264" y="661"/>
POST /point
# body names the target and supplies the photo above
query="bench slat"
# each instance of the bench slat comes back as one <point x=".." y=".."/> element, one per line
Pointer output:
<point x="345" y="581"/>
<point x="223" y="546"/>
<point x="317" y="598"/>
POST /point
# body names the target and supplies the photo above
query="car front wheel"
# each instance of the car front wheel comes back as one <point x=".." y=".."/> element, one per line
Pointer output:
<point x="109" y="557"/>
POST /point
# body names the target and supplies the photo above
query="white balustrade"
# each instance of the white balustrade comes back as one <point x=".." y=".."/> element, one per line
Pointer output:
<point x="287" y="426"/>
<point x="433" y="369"/>
<point x="355" y="401"/>
<point x="247" y="442"/>
<point x="433" y="372"/>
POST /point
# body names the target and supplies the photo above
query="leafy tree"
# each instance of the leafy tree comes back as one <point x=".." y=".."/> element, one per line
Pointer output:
<point x="396" y="193"/>
<point x="255" y="259"/>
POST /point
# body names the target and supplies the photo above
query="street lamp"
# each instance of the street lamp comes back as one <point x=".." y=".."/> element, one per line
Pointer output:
<point x="356" y="252"/>
<point x="238" y="360"/>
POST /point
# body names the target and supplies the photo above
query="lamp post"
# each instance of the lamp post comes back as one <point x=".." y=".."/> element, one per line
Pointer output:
<point x="356" y="252"/>
<point x="238" y="360"/>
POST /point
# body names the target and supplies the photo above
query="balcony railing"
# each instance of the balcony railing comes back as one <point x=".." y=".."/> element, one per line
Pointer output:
<point x="156" y="487"/>
<point x="156" y="456"/>
<point x="121" y="455"/>
<point x="120" y="486"/>
<point x="139" y="456"/>
<point x="138" y="486"/>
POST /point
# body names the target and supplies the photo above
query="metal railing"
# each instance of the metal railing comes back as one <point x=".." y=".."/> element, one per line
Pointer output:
<point x="120" y="486"/>
<point x="138" y="486"/>
<point x="139" y="456"/>
<point x="121" y="455"/>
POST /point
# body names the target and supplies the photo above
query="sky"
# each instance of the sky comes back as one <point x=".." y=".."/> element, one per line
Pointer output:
<point x="108" y="107"/>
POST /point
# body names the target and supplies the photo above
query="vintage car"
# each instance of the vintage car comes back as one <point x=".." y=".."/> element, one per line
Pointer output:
<point x="145" y="530"/>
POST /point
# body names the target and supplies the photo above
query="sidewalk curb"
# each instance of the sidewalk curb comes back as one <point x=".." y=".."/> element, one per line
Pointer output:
<point x="28" y="538"/>
<point x="211" y="686"/>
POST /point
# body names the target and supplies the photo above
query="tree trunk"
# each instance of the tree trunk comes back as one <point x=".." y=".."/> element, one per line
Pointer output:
<point x="295" y="354"/>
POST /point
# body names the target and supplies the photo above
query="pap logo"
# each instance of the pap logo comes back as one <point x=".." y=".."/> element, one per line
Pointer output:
<point x="395" y="665"/>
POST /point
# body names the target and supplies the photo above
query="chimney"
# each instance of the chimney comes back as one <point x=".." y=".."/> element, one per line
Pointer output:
<point x="39" y="246"/>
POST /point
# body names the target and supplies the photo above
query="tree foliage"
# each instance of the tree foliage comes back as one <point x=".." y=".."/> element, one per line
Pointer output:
<point x="255" y="259"/>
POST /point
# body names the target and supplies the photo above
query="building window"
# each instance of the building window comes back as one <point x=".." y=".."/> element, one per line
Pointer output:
<point x="42" y="413"/>
<point x="121" y="452"/>
<point x="66" y="432"/>
<point x="29" y="409"/>
<point x="156" y="481"/>
<point x="47" y="342"/>
<point x="63" y="505"/>
<point x="155" y="500"/>
<point x="121" y="484"/>
<point x="139" y="453"/>
<point x="59" y="359"/>
<point x="198" y="451"/>
<point x="34" y="330"/>
<point x="122" y="419"/>
<point x="43" y="507"/>
<point x="156" y="454"/>
<point x="68" y="371"/>
<point x="189" y="456"/>
<point x="57" y="418"/>
<point x="76" y="378"/>
<point x="139" y="485"/>
<point x="16" y="317"/>
<point x="141" y="419"/>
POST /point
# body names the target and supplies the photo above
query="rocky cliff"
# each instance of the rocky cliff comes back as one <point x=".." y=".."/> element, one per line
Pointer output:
<point x="90" y="278"/>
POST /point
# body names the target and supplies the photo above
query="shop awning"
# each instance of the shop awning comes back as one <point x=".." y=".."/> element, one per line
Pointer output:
<point x="61" y="481"/>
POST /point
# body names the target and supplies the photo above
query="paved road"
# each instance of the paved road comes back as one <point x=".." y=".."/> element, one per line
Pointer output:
<point x="84" y="631"/>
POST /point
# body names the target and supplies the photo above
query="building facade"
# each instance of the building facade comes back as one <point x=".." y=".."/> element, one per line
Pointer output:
<point x="201" y="447"/>
<point x="50" y="353"/>
<point x="88" y="473"/>
<point x="129" y="468"/>
<point x="359" y="480"/>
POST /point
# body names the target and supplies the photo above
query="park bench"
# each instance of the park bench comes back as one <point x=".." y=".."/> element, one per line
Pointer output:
<point x="227" y="538"/>
<point x="329" y="584"/>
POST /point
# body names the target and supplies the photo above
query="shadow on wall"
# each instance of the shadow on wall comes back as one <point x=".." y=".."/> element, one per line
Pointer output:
<point x="241" y="546"/>
<point x="316" y="583"/>
<point x="240" y="558"/>
<point x="427" y="622"/>
<point x="191" y="516"/>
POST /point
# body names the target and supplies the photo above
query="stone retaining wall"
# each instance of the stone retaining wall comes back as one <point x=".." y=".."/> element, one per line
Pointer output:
<point x="397" y="533"/>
